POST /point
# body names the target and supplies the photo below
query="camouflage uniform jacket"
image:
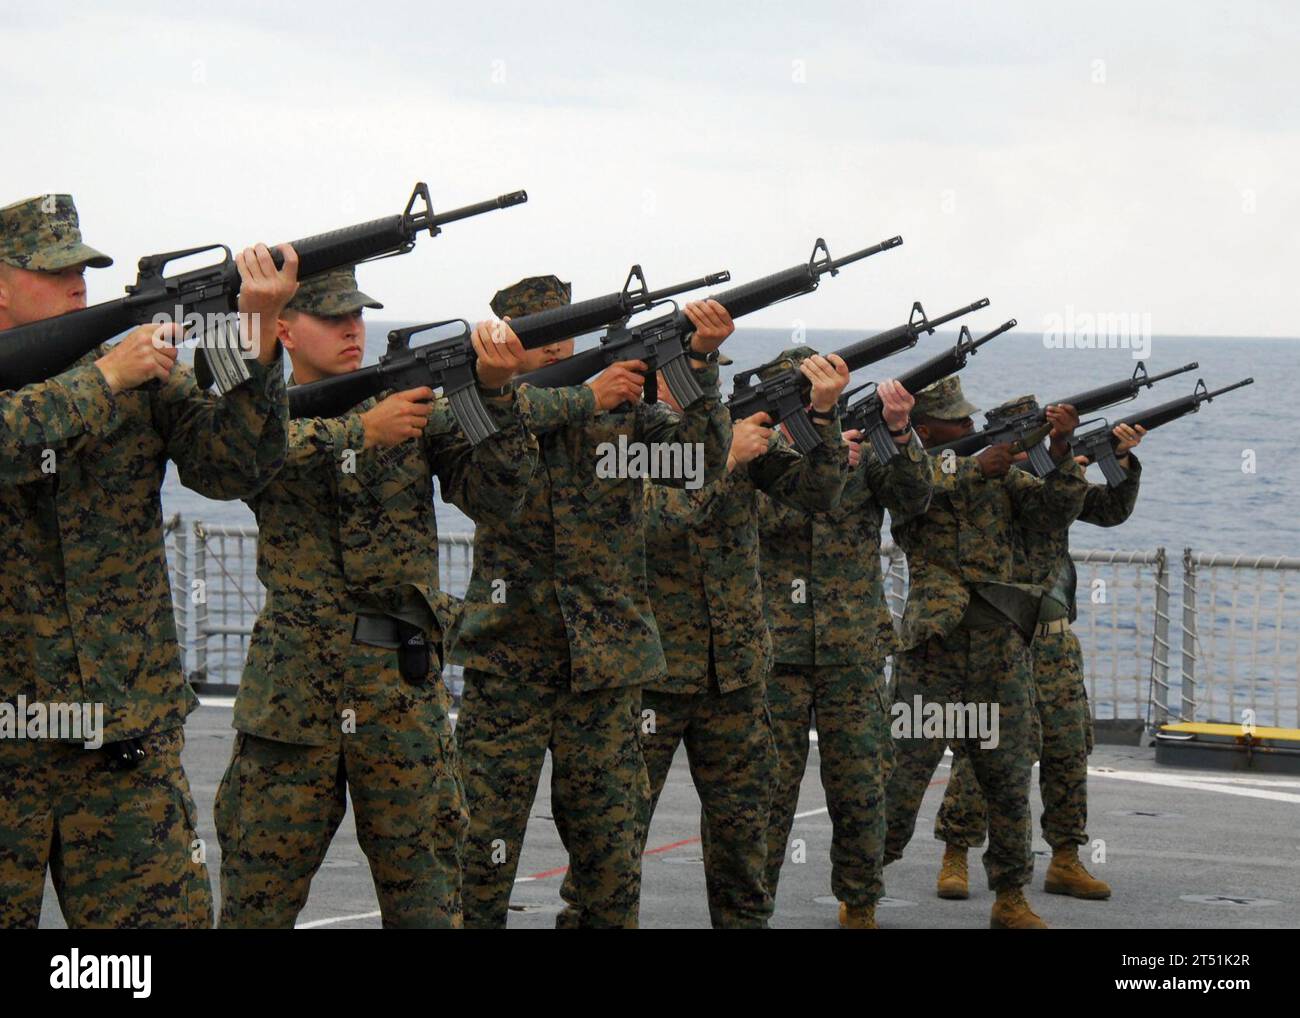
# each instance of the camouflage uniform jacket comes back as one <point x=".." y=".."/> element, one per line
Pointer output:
<point x="967" y="537"/>
<point x="562" y="590"/>
<point x="841" y="617"/>
<point x="85" y="604"/>
<point x="343" y="528"/>
<point x="1044" y="555"/>
<point x="702" y="551"/>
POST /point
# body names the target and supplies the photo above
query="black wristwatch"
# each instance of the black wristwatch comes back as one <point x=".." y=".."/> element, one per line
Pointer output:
<point x="901" y="431"/>
<point x="491" y="393"/>
<point x="708" y="358"/>
<point x="817" y="417"/>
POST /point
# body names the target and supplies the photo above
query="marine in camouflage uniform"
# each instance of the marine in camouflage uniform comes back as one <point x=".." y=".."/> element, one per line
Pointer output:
<point x="965" y="637"/>
<point x="86" y="611"/>
<point x="702" y="551"/>
<point x="558" y="637"/>
<point x="348" y="552"/>
<point x="831" y="631"/>
<point x="1063" y="710"/>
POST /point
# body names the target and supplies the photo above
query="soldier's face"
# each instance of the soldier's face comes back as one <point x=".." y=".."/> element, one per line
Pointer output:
<point x="30" y="296"/>
<point x="936" y="432"/>
<point x="321" y="346"/>
<point x="544" y="355"/>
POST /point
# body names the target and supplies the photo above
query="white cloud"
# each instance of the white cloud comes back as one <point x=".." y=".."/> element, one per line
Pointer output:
<point x="678" y="137"/>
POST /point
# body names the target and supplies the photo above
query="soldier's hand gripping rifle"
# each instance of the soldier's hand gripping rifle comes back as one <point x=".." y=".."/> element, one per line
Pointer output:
<point x="1100" y="443"/>
<point x="784" y="397"/>
<point x="40" y="350"/>
<point x="662" y="342"/>
<point x="868" y="413"/>
<point x="1022" y="427"/>
<point x="448" y="364"/>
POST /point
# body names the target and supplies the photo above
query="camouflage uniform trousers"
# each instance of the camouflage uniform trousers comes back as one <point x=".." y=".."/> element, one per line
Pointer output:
<point x="732" y="755"/>
<point x="856" y="759"/>
<point x="599" y="791"/>
<point x="279" y="804"/>
<point x="972" y="666"/>
<point x="1063" y="769"/>
<point x="120" y="845"/>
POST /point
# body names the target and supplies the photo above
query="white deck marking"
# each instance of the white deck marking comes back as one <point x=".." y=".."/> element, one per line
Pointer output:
<point x="1198" y="783"/>
<point x="336" y="919"/>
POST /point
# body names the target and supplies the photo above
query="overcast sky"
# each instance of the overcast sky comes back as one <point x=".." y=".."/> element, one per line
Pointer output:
<point x="1108" y="157"/>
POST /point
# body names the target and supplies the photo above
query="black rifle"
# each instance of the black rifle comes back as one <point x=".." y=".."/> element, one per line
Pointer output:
<point x="40" y="350"/>
<point x="448" y="364"/>
<point x="1099" y="444"/>
<point x="868" y="414"/>
<point x="662" y="342"/>
<point x="784" y="397"/>
<point x="1002" y="426"/>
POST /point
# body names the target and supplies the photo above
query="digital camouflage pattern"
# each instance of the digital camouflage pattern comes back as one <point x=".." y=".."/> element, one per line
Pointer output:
<point x="831" y="630"/>
<point x="702" y="554"/>
<point x="530" y="295"/>
<point x="824" y="593"/>
<point x="599" y="792"/>
<point x="344" y="529"/>
<point x="1066" y="723"/>
<point x="44" y="234"/>
<point x="565" y="583"/>
<point x="971" y="666"/>
<point x="279" y="805"/>
<point x="82" y="548"/>
<point x="966" y="541"/>
<point x="1062" y="693"/>
<point x="732" y="755"/>
<point x="332" y="293"/>
<point x="121" y="845"/>
<point x="856" y="752"/>
<point x="86" y="610"/>
<point x="944" y="401"/>
<point x="557" y="603"/>
<point x="962" y="551"/>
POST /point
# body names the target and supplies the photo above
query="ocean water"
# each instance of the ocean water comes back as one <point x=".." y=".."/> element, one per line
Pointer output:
<point x="1226" y="479"/>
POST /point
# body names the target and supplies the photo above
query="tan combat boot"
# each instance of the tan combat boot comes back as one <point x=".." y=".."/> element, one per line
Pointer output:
<point x="953" y="882"/>
<point x="857" y="917"/>
<point x="1012" y="912"/>
<point x="1066" y="875"/>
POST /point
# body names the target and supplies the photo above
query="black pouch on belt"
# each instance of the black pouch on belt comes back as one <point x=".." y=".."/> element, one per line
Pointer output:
<point x="125" y="755"/>
<point x="414" y="659"/>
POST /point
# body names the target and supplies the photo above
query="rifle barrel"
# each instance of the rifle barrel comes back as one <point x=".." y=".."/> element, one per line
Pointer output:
<point x="1170" y="374"/>
<point x="866" y="252"/>
<point x="1228" y="388"/>
<point x="501" y="201"/>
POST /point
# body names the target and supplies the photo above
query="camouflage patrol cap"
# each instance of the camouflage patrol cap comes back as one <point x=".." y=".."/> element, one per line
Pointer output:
<point x="44" y="234"/>
<point x="332" y="293"/>
<point x="530" y="295"/>
<point x="1012" y="407"/>
<point x="944" y="401"/>
<point x="787" y="359"/>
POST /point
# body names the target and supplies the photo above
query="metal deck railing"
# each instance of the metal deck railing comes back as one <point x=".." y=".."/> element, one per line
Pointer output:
<point x="1237" y="648"/>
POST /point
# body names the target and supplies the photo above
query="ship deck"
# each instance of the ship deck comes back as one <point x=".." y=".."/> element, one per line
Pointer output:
<point x="1184" y="848"/>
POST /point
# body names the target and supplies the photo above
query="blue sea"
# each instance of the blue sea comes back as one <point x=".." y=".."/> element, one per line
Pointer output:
<point x="1226" y="479"/>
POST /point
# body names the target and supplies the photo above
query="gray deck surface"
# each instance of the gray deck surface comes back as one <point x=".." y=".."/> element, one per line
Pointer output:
<point x="1170" y="834"/>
